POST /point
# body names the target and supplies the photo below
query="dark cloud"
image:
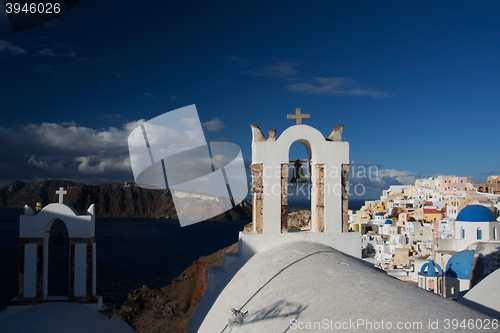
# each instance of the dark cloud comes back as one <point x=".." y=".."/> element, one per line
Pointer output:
<point x="65" y="151"/>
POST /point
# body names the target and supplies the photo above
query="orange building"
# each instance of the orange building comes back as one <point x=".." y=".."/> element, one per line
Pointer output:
<point x="492" y="185"/>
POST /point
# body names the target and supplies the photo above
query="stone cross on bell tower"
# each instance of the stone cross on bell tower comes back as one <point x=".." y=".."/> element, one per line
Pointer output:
<point x="298" y="116"/>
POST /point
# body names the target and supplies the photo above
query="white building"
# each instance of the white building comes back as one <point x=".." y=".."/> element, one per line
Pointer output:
<point x="412" y="228"/>
<point x="382" y="252"/>
<point x="384" y="226"/>
<point x="451" y="211"/>
<point x="396" y="242"/>
<point x="378" y="217"/>
<point x="394" y="189"/>
<point x="430" y="183"/>
<point x="446" y="228"/>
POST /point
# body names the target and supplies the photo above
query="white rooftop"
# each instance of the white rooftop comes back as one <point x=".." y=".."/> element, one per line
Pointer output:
<point x="310" y="282"/>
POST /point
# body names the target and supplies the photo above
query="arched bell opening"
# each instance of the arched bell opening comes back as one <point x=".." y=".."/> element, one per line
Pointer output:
<point x="315" y="186"/>
<point x="299" y="188"/>
<point x="56" y="275"/>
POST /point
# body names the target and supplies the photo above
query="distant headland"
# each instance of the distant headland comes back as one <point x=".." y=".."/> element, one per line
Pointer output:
<point x="111" y="200"/>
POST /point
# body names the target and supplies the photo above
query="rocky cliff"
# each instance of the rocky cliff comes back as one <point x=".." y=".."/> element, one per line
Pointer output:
<point x="169" y="309"/>
<point x="111" y="200"/>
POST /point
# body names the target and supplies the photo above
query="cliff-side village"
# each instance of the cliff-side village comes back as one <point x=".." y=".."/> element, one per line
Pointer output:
<point x="429" y="233"/>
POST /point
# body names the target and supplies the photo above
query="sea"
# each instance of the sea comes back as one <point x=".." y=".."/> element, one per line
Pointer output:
<point x="131" y="252"/>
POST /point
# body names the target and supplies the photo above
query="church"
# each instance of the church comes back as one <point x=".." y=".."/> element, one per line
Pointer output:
<point x="35" y="309"/>
<point x="475" y="223"/>
<point x="310" y="280"/>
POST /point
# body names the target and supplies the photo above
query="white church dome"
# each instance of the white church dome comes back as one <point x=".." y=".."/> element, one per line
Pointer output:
<point x="303" y="282"/>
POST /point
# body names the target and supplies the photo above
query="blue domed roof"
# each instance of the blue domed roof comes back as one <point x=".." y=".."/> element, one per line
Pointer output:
<point x="460" y="265"/>
<point x="388" y="221"/>
<point x="476" y="213"/>
<point x="433" y="269"/>
<point x="379" y="214"/>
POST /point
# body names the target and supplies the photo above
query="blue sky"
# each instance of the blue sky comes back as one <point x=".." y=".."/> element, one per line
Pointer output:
<point x="416" y="84"/>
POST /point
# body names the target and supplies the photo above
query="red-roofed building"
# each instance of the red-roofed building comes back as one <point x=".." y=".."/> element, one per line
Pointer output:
<point x="428" y="214"/>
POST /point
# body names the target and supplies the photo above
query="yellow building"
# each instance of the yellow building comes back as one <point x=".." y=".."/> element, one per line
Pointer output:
<point x="380" y="206"/>
<point x="410" y="189"/>
<point x="404" y="217"/>
<point x="455" y="202"/>
<point x="363" y="228"/>
<point x="472" y="199"/>
<point x="362" y="216"/>
<point x="428" y="214"/>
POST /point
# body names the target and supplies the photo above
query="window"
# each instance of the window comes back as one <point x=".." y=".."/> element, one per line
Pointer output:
<point x="479" y="233"/>
<point x="462" y="231"/>
<point x="431" y="285"/>
<point x="495" y="233"/>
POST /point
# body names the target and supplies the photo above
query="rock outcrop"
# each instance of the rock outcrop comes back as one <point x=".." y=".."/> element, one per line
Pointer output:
<point x="169" y="309"/>
<point x="111" y="200"/>
<point x="298" y="219"/>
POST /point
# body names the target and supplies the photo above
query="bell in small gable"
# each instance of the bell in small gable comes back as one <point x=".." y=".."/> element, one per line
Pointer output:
<point x="298" y="174"/>
<point x="59" y="240"/>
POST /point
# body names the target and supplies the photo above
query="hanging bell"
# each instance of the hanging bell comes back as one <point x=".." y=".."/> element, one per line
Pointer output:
<point x="59" y="240"/>
<point x="298" y="174"/>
